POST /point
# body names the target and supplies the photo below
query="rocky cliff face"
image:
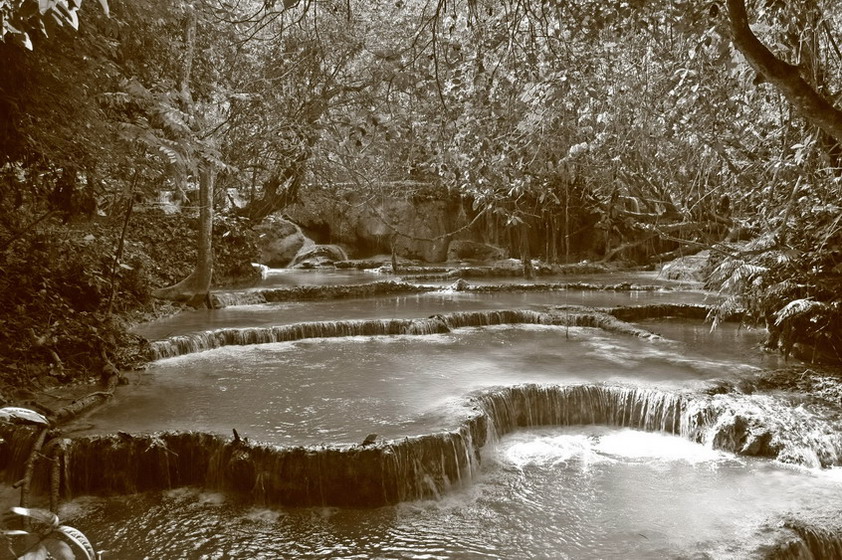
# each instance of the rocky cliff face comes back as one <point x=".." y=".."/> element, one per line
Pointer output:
<point x="366" y="226"/>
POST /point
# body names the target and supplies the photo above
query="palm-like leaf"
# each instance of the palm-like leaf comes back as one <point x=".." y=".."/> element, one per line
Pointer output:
<point x="797" y="308"/>
<point x="18" y="415"/>
<point x="79" y="540"/>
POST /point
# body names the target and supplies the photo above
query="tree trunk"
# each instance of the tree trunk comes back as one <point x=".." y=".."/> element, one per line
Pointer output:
<point x="187" y="62"/>
<point x="195" y="289"/>
<point x="784" y="76"/>
<point x="525" y="257"/>
<point x="279" y="191"/>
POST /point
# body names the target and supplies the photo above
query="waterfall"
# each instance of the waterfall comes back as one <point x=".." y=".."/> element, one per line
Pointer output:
<point x="523" y="406"/>
<point x="810" y="542"/>
<point x="208" y="340"/>
<point x="429" y="465"/>
<point x="352" y="476"/>
<point x="15" y="446"/>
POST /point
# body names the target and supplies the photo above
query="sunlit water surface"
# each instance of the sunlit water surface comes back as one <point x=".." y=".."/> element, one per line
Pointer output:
<point x="340" y="390"/>
<point x="585" y="493"/>
<point x="552" y="493"/>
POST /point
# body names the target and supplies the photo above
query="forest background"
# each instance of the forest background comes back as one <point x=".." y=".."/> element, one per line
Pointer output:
<point x="631" y="131"/>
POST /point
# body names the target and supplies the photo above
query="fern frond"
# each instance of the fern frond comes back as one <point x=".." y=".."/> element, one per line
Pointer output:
<point x="796" y="308"/>
<point x="731" y="306"/>
<point x="743" y="275"/>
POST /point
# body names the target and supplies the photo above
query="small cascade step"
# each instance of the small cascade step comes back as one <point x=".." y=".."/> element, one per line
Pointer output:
<point x="437" y="324"/>
<point x="427" y="466"/>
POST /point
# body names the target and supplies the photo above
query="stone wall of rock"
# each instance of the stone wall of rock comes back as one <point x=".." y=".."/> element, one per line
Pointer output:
<point x="279" y="241"/>
<point x="367" y="226"/>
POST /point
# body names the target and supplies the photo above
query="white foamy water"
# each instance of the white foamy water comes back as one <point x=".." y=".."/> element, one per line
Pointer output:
<point x="571" y="493"/>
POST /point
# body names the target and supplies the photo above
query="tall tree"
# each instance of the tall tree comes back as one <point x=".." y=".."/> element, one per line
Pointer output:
<point x="195" y="288"/>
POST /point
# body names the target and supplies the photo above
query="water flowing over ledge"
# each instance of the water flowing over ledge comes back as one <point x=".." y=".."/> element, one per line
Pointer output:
<point x="421" y="466"/>
<point x="437" y="324"/>
<point x="395" y="287"/>
<point x="811" y="541"/>
<point x="309" y="293"/>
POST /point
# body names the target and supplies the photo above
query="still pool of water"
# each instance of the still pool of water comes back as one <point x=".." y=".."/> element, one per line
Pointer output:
<point x="571" y="493"/>
<point x="339" y="390"/>
<point x="397" y="307"/>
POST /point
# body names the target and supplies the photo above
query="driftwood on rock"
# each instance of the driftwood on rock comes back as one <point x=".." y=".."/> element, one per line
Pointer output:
<point x="111" y="377"/>
<point x="47" y="446"/>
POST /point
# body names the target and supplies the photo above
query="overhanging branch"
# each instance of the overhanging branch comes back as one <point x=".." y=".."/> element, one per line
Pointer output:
<point x="784" y="76"/>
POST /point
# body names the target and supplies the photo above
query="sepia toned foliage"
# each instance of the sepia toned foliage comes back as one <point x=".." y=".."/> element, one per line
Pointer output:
<point x="625" y="131"/>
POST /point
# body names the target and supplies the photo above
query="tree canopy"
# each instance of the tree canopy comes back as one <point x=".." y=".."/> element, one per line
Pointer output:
<point x="633" y="130"/>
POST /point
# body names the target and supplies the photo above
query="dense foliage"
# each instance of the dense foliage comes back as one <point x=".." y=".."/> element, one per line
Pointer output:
<point x="631" y="131"/>
<point x="66" y="302"/>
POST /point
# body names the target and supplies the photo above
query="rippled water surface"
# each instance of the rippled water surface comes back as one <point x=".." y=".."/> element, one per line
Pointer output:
<point x="583" y="493"/>
<point x="553" y="493"/>
<point x="340" y="390"/>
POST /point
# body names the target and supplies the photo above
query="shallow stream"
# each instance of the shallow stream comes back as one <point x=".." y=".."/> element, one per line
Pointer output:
<point x="577" y="492"/>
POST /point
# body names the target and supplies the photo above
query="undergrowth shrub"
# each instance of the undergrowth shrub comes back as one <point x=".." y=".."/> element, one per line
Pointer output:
<point x="66" y="305"/>
<point x="790" y="281"/>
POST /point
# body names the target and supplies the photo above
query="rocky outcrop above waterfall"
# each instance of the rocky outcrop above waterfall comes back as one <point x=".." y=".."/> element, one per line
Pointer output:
<point x="282" y="243"/>
<point x="368" y="225"/>
<point x="279" y="241"/>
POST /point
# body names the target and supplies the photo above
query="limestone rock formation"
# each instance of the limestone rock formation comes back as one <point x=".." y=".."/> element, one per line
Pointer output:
<point x="280" y="241"/>
<point x="318" y="255"/>
<point x="418" y="229"/>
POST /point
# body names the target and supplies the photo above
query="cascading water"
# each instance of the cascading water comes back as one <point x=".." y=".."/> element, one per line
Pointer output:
<point x="197" y="342"/>
<point x="465" y="430"/>
<point x="545" y="493"/>
<point x="428" y="465"/>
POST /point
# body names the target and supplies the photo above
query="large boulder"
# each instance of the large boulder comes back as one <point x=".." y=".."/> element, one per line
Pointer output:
<point x="279" y="241"/>
<point x="460" y="250"/>
<point x="689" y="268"/>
